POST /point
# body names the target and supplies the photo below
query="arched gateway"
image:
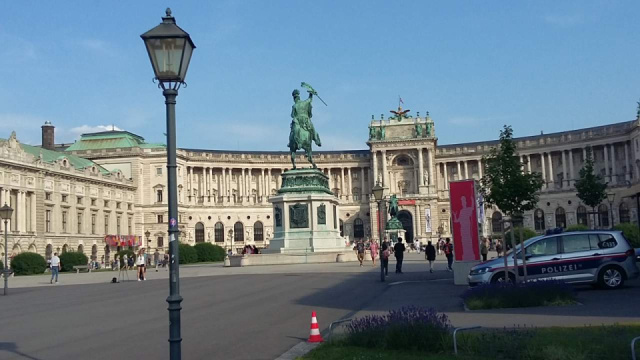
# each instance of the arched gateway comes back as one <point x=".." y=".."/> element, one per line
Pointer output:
<point x="406" y="219"/>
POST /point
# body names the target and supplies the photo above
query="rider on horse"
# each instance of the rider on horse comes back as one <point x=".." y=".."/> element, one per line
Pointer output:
<point x="302" y="131"/>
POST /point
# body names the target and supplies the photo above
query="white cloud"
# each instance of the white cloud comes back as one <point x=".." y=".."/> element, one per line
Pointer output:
<point x="99" y="46"/>
<point x="564" y="20"/>
<point x="83" y="129"/>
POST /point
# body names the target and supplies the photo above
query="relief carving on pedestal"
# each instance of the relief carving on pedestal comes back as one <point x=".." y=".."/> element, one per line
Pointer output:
<point x="298" y="216"/>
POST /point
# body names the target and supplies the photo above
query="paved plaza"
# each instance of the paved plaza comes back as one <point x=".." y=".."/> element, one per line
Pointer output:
<point x="248" y="313"/>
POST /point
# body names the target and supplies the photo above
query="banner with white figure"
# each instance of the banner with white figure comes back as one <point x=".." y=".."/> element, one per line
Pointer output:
<point x="427" y="216"/>
<point x="465" y="225"/>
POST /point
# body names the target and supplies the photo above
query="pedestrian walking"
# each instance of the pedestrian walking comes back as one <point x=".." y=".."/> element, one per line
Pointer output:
<point x="374" y="251"/>
<point x="440" y="246"/>
<point x="55" y="267"/>
<point x="385" y="257"/>
<point x="398" y="251"/>
<point x="430" y="255"/>
<point x="360" y="249"/>
<point x="140" y="265"/>
<point x="499" y="247"/>
<point x="448" y="252"/>
<point x="418" y="246"/>
<point x="484" y="249"/>
<point x="156" y="259"/>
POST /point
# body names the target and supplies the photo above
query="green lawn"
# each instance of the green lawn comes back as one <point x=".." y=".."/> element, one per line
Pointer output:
<point x="580" y="343"/>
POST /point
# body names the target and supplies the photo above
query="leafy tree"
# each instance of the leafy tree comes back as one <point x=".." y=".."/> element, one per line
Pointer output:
<point x="525" y="232"/>
<point x="631" y="232"/>
<point x="506" y="185"/>
<point x="590" y="187"/>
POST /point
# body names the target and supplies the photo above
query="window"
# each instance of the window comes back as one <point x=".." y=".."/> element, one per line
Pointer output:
<point x="158" y="171"/>
<point x="341" y="227"/>
<point x="356" y="194"/>
<point x="158" y="196"/>
<point x="118" y="205"/>
<point x="106" y="224"/>
<point x="543" y="247"/>
<point x="129" y="223"/>
<point x="538" y="218"/>
<point x="561" y="218"/>
<point x="160" y="241"/>
<point x="64" y="221"/>
<point x="93" y="202"/>
<point x="118" y="220"/>
<point x="63" y="198"/>
<point x="79" y="200"/>
<point x="581" y="215"/>
<point x="496" y="222"/>
<point x="219" y="232"/>
<point x="258" y="234"/>
<point x="199" y="232"/>
<point x="47" y="221"/>
<point x="80" y="223"/>
<point x="47" y="196"/>
<point x="575" y="243"/>
<point x="160" y="219"/>
<point x="603" y="213"/>
<point x="93" y="224"/>
<point x="358" y="228"/>
<point x="602" y="241"/>
<point x="106" y="203"/>
<point x="129" y="206"/>
<point x="624" y="213"/>
<point x="238" y="232"/>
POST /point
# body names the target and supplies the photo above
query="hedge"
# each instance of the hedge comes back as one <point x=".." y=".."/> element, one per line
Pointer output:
<point x="631" y="232"/>
<point x="125" y="253"/>
<point x="28" y="263"/>
<point x="526" y="232"/>
<point x="188" y="254"/>
<point x="578" y="227"/>
<point x="71" y="259"/>
<point x="208" y="252"/>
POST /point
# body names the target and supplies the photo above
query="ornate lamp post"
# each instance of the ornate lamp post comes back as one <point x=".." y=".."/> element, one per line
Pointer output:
<point x="147" y="235"/>
<point x="611" y="197"/>
<point x="170" y="50"/>
<point x="378" y="193"/>
<point x="5" y="214"/>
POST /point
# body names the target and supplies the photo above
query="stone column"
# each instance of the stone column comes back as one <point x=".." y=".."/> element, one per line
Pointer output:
<point x="466" y="169"/>
<point x="362" y="189"/>
<point x="375" y="167"/>
<point x="269" y="182"/>
<point x="446" y="176"/>
<point x="607" y="176"/>
<point x="385" y="174"/>
<point x="420" y="170"/>
<point x="544" y="172"/>
<point x="418" y="231"/>
<point x="479" y="169"/>
<point x="614" y="177"/>
<point x="459" y="170"/>
<point x="223" y="188"/>
<point x="551" y="177"/>
<point x="584" y="155"/>
<point x="565" y="177"/>
<point x="242" y="185"/>
<point x="342" y="192"/>
<point x="627" y="173"/>
<point x="21" y="211"/>
<point x="431" y="156"/>
<point x="33" y="212"/>
<point x="279" y="180"/>
<point x="350" y="189"/>
<point x="528" y="165"/>
<point x="572" y="173"/>
<point x="260" y="186"/>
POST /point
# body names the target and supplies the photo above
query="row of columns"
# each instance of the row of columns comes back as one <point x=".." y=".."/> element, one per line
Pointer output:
<point x="345" y="183"/>
<point x="459" y="166"/>
<point x="24" y="210"/>
<point x="421" y="181"/>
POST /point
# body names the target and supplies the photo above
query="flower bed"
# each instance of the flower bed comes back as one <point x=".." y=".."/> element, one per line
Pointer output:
<point x="507" y="295"/>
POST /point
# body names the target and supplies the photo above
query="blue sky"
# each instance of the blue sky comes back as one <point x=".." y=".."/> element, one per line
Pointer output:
<point x="474" y="65"/>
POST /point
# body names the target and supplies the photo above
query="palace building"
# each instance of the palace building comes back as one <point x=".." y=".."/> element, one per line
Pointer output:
<point x="113" y="184"/>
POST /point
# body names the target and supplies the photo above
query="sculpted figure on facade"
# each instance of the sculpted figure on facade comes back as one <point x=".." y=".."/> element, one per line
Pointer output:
<point x="418" y="130"/>
<point x="425" y="177"/>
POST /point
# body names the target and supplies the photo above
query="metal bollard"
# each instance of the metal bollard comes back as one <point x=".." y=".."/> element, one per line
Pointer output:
<point x="633" y="347"/>
<point x="455" y="332"/>
<point x="331" y="327"/>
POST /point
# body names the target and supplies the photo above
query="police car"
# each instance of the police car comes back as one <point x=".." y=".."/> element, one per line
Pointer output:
<point x="598" y="257"/>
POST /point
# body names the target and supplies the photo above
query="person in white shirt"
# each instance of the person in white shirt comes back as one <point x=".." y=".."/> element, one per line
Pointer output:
<point x="140" y="265"/>
<point x="55" y="267"/>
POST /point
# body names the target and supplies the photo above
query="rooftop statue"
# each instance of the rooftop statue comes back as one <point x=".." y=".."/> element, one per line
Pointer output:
<point x="302" y="134"/>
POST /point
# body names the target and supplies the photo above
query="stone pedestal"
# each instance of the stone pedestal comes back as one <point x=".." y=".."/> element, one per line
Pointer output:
<point x="305" y="215"/>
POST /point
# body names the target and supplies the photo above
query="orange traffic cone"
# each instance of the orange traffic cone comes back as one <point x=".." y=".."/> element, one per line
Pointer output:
<point x="314" y="336"/>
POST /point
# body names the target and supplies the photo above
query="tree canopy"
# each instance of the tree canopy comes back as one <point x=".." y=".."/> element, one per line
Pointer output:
<point x="590" y="187"/>
<point x="505" y="184"/>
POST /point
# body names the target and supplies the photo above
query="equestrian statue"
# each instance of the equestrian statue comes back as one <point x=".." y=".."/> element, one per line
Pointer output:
<point x="302" y="131"/>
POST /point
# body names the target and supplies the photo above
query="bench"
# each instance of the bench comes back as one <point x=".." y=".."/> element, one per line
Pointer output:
<point x="77" y="268"/>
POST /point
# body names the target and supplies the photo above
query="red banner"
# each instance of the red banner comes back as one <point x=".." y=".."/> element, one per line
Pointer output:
<point x="406" y="202"/>
<point x="464" y="214"/>
<point x="123" y="240"/>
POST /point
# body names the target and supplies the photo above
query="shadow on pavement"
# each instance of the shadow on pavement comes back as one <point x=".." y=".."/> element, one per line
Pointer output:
<point x="13" y="348"/>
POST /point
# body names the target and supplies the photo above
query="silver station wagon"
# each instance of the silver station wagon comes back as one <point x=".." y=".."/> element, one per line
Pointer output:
<point x="598" y="257"/>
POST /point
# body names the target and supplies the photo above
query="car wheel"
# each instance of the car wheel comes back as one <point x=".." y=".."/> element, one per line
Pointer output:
<point x="499" y="278"/>
<point x="611" y="277"/>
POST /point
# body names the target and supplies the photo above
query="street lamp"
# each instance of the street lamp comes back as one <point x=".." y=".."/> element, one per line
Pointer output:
<point x="5" y="214"/>
<point x="378" y="193"/>
<point x="147" y="235"/>
<point x="170" y="50"/>
<point x="611" y="197"/>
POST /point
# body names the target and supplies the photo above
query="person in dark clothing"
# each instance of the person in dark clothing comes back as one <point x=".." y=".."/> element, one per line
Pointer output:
<point x="385" y="257"/>
<point x="430" y="255"/>
<point x="398" y="251"/>
<point x="448" y="251"/>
